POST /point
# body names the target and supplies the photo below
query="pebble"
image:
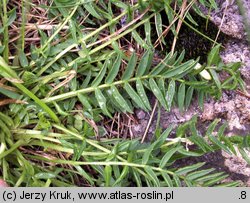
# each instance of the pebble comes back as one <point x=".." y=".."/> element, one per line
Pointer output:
<point x="140" y="114"/>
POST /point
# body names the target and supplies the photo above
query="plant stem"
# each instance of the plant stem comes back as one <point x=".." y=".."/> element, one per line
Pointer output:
<point x="13" y="147"/>
<point x="6" y="32"/>
<point x="89" y="89"/>
<point x="100" y="163"/>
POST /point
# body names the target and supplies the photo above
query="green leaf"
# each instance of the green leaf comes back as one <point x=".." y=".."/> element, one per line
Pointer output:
<point x="102" y="102"/>
<point x="23" y="59"/>
<point x="177" y="181"/>
<point x="214" y="4"/>
<point x="199" y="140"/>
<point x="84" y="52"/>
<point x="189" y="153"/>
<point x="147" y="28"/>
<point x="181" y="96"/>
<point x="188" y="169"/>
<point x="201" y="99"/>
<point x="188" y="70"/>
<point x="117" y="174"/>
<point x="1" y="31"/>
<point x="167" y="179"/>
<point x="214" y="56"/>
<point x="130" y="67"/>
<point x="201" y="143"/>
<point x="6" y="119"/>
<point x="120" y="100"/>
<point x="157" y="92"/>
<point x="114" y="70"/>
<point x="120" y="4"/>
<point x="84" y="174"/>
<point x="10" y="94"/>
<point x="160" y="141"/>
<point x="90" y="8"/>
<point x="145" y="63"/>
<point x="216" y="80"/>
<point x="215" y="181"/>
<point x="149" y="183"/>
<point x="158" y="25"/>
<point x="198" y="174"/>
<point x="152" y="176"/>
<point x="45" y="175"/>
<point x="72" y="29"/>
<point x="170" y="94"/>
<point x="180" y="58"/>
<point x="167" y="156"/>
<point x="29" y="77"/>
<point x="1" y="47"/>
<point x="230" y="184"/>
<point x="161" y="84"/>
<point x="148" y="153"/>
<point x="245" y="155"/>
<point x="211" y="127"/>
<point x="137" y="177"/>
<point x="101" y="74"/>
<point x="182" y="128"/>
<point x="189" y="96"/>
<point x="5" y="70"/>
<point x="214" y="140"/>
<point x="124" y="173"/>
<point x="87" y="79"/>
<point x="172" y="59"/>
<point x="134" y="96"/>
<point x="84" y="100"/>
<point x="11" y="17"/>
<point x="107" y="175"/>
<point x="197" y="84"/>
<point x="4" y="130"/>
<point x="209" y="177"/>
<point x="59" y="110"/>
<point x="228" y="143"/>
<point x="190" y="18"/>
<point x="188" y="183"/>
<point x="139" y="40"/>
<point x="142" y="94"/>
<point x="163" y="64"/>
<point x="174" y="72"/>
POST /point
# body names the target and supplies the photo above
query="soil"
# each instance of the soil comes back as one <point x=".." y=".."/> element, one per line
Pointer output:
<point x="233" y="107"/>
<point x="233" y="23"/>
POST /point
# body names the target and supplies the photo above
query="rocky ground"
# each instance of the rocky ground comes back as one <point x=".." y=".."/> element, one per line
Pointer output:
<point x="233" y="107"/>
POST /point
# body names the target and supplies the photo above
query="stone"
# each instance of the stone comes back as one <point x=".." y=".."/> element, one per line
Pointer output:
<point x="233" y="23"/>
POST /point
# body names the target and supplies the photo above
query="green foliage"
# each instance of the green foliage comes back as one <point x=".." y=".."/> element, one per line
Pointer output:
<point x="171" y="76"/>
<point x="76" y="77"/>
<point x="125" y="162"/>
